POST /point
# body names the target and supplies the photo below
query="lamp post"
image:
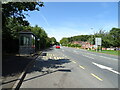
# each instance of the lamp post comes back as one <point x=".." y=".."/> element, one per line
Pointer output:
<point x="92" y="40"/>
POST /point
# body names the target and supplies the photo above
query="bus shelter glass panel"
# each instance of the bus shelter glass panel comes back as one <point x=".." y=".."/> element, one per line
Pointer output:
<point x="27" y="44"/>
<point x="33" y="41"/>
<point x="25" y="41"/>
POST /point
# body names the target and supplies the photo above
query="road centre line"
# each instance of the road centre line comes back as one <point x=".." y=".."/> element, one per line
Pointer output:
<point x="81" y="67"/>
<point x="102" y="56"/>
<point x="96" y="77"/>
<point x="108" y="58"/>
<point x="91" y="57"/>
<point x="91" y="54"/>
<point x="88" y="57"/>
<point x="73" y="61"/>
<point x="76" y="52"/>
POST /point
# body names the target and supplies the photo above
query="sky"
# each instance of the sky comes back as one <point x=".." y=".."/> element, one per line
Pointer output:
<point x="66" y="19"/>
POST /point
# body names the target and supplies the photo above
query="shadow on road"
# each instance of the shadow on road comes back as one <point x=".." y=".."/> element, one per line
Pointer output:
<point x="13" y="65"/>
<point x="48" y="49"/>
<point x="50" y="63"/>
<point x="62" y="70"/>
<point x="50" y="66"/>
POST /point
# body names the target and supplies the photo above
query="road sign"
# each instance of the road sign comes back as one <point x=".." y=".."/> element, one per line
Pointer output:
<point x="98" y="41"/>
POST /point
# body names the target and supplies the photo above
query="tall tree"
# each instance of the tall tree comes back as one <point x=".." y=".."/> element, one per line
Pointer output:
<point x="16" y="9"/>
<point x="115" y="34"/>
<point x="14" y="13"/>
<point x="64" y="41"/>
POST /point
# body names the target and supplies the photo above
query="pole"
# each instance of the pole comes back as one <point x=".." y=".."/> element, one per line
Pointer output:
<point x="96" y="48"/>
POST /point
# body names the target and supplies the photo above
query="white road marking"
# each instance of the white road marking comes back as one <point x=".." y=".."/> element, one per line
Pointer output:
<point x="105" y="67"/>
<point x="74" y="51"/>
<point x="88" y="57"/>
<point x="91" y="54"/>
<point x="109" y="58"/>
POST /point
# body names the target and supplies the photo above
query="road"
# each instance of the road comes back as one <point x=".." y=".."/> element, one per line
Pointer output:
<point x="72" y="68"/>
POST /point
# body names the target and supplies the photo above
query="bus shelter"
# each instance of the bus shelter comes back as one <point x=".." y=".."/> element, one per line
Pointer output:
<point x="27" y="42"/>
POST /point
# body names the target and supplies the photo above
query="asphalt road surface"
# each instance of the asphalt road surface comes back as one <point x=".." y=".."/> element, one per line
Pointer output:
<point x="72" y="68"/>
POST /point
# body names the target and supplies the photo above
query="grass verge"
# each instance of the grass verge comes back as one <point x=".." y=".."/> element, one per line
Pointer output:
<point x="112" y="52"/>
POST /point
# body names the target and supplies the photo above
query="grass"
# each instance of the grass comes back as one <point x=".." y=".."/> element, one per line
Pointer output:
<point x="112" y="52"/>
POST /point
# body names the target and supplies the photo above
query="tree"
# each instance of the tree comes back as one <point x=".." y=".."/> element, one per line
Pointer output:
<point x="13" y="20"/>
<point x="53" y="41"/>
<point x="41" y="34"/>
<point x="91" y="39"/>
<point x="16" y="9"/>
<point x="115" y="34"/>
<point x="64" y="41"/>
<point x="16" y="12"/>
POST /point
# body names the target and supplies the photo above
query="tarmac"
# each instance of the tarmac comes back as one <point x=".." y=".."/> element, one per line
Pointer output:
<point x="14" y="69"/>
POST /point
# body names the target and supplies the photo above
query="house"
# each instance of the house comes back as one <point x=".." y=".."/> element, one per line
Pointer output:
<point x="84" y="45"/>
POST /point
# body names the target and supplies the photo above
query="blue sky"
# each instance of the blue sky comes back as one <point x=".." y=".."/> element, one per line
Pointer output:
<point x="66" y="19"/>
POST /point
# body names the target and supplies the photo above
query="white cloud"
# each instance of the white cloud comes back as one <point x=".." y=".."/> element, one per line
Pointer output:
<point x="45" y="19"/>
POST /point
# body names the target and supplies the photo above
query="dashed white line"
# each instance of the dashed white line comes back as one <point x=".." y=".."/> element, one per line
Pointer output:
<point x="91" y="54"/>
<point x="108" y="58"/>
<point x="88" y="57"/>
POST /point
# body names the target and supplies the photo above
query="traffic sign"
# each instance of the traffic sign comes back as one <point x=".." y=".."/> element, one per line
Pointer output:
<point x="98" y="41"/>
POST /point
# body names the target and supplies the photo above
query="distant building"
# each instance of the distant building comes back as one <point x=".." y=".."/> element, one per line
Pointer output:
<point x="84" y="45"/>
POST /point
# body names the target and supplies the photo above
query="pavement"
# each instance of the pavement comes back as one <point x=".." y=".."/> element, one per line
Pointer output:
<point x="13" y="67"/>
<point x="73" y="68"/>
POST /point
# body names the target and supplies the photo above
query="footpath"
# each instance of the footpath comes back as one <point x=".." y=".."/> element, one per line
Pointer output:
<point x="14" y="68"/>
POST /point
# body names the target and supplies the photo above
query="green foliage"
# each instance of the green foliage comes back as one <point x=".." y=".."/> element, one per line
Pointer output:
<point x="14" y="13"/>
<point x="64" y="41"/>
<point x="16" y="9"/>
<point x="81" y="38"/>
<point x="109" y="39"/>
<point x="53" y="41"/>
<point x="72" y="45"/>
<point x="115" y="34"/>
<point x="13" y="21"/>
<point x="45" y="41"/>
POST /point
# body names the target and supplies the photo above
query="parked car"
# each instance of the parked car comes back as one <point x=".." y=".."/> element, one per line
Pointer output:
<point x="58" y="46"/>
